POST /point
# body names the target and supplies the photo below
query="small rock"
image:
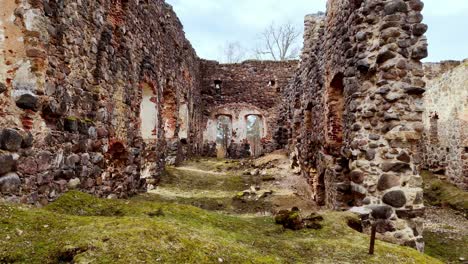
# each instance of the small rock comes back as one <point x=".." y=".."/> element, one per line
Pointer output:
<point x="419" y="52"/>
<point x="414" y="90"/>
<point x="404" y="157"/>
<point x="370" y="154"/>
<point x="10" y="139"/>
<point x="357" y="176"/>
<point x="74" y="183"/>
<point x="7" y="163"/>
<point x="28" y="140"/>
<point x="381" y="211"/>
<point x="70" y="124"/>
<point x="19" y="232"/>
<point x="27" y="101"/>
<point x="255" y="172"/>
<point x="10" y="183"/>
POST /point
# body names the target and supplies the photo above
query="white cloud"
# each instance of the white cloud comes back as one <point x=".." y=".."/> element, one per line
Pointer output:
<point x="209" y="24"/>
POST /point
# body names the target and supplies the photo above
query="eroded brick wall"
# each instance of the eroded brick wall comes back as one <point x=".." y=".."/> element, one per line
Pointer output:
<point x="71" y="80"/>
<point x="239" y="90"/>
<point x="353" y="115"/>
<point x="445" y="144"/>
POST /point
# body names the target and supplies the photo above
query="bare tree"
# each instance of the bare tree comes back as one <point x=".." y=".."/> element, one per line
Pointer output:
<point x="233" y="52"/>
<point x="279" y="42"/>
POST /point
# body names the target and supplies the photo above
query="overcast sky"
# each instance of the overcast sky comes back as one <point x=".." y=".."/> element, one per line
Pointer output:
<point x="210" y="24"/>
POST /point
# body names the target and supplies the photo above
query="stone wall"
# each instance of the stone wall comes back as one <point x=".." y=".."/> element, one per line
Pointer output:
<point x="445" y="148"/>
<point x="72" y="79"/>
<point x="239" y="90"/>
<point x="353" y="115"/>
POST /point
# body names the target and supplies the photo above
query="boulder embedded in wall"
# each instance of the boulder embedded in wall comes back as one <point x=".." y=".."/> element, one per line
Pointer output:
<point x="2" y="87"/>
<point x="10" y="183"/>
<point x="7" y="163"/>
<point x="395" y="166"/>
<point x="387" y="181"/>
<point x="404" y="157"/>
<point x="381" y="211"/>
<point x="395" y="6"/>
<point x="357" y="176"/>
<point x="419" y="29"/>
<point x="395" y="198"/>
<point x="10" y="139"/>
<point x="27" y="101"/>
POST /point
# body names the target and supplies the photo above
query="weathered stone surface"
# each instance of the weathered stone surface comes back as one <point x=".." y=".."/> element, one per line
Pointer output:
<point x="7" y="163"/>
<point x="357" y="176"/>
<point x="10" y="139"/>
<point x="10" y="183"/>
<point x="419" y="29"/>
<point x="409" y="214"/>
<point x="381" y="211"/>
<point x="395" y="198"/>
<point x="416" y="5"/>
<point x="28" y="101"/>
<point x="387" y="181"/>
<point x="395" y="6"/>
<point x="395" y="166"/>
<point x="403" y="156"/>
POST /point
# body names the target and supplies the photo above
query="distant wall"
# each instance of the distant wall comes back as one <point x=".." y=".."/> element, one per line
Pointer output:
<point x="72" y="79"/>
<point x="445" y="148"/>
<point x="239" y="90"/>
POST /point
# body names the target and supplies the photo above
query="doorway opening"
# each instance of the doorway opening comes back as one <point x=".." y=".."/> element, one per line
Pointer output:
<point x="254" y="134"/>
<point x="223" y="135"/>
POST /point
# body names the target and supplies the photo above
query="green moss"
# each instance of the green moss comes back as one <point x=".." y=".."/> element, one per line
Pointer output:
<point x="81" y="228"/>
<point x="72" y="118"/>
<point x="440" y="193"/>
<point x="447" y="247"/>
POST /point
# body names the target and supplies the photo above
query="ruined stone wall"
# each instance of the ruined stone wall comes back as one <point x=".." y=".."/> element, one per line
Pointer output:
<point x="445" y="144"/>
<point x="354" y="110"/>
<point x="239" y="90"/>
<point x="72" y="79"/>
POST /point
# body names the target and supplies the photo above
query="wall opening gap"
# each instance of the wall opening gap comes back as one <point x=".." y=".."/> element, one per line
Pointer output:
<point x="223" y="135"/>
<point x="254" y="125"/>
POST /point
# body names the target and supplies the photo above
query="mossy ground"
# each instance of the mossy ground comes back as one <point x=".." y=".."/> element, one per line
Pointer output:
<point x="80" y="228"/>
<point x="440" y="193"/>
<point x="447" y="242"/>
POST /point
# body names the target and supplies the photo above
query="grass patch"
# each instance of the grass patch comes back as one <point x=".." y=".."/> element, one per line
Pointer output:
<point x="83" y="229"/>
<point x="440" y="193"/>
<point x="447" y="247"/>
